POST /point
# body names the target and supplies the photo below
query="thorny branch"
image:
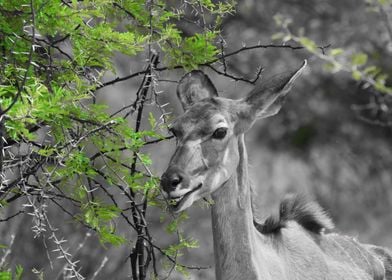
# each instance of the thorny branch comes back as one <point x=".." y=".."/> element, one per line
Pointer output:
<point x="222" y="56"/>
<point x="36" y="181"/>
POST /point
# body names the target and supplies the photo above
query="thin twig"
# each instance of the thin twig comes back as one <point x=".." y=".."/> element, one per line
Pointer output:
<point x="240" y="50"/>
<point x="7" y="252"/>
<point x="12" y="216"/>
<point x="253" y="81"/>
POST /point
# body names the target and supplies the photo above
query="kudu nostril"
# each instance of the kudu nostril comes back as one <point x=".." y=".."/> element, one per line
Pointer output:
<point x="177" y="179"/>
<point x="170" y="181"/>
<point x="172" y="178"/>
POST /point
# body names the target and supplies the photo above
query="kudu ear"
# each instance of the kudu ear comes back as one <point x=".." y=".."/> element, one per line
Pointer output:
<point x="193" y="87"/>
<point x="267" y="98"/>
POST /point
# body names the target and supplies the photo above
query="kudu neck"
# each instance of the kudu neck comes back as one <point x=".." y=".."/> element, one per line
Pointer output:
<point x="232" y="224"/>
<point x="237" y="188"/>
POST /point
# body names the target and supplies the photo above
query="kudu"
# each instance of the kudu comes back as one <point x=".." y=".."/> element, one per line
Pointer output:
<point x="211" y="158"/>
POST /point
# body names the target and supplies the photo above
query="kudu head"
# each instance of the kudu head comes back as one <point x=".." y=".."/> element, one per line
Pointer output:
<point x="207" y="133"/>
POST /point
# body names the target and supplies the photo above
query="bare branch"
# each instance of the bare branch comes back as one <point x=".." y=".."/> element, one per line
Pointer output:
<point x="240" y="50"/>
<point x="253" y="81"/>
<point x="12" y="216"/>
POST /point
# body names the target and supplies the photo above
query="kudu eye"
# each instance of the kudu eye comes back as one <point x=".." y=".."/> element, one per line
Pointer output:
<point x="220" y="133"/>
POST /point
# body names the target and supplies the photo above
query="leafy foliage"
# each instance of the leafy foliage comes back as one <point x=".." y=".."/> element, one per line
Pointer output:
<point x="338" y="59"/>
<point x="66" y="148"/>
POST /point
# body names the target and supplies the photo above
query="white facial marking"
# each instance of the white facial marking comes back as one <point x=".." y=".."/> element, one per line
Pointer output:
<point x="182" y="191"/>
<point x="216" y="180"/>
<point x="218" y="119"/>
<point x="226" y="156"/>
<point x="179" y="192"/>
<point x="192" y="143"/>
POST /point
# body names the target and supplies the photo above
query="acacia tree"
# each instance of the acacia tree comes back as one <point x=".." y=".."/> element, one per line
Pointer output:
<point x="61" y="149"/>
<point x="54" y="136"/>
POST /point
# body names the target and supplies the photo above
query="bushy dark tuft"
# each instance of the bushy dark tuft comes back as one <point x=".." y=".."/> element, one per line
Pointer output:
<point x="297" y="208"/>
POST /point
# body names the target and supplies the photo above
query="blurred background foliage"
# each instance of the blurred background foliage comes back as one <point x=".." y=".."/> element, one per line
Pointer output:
<point x="332" y="139"/>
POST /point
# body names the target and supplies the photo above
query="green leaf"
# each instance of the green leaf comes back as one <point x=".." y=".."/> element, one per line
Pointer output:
<point x="278" y="36"/>
<point x="107" y="213"/>
<point x="152" y="120"/>
<point x="372" y="71"/>
<point x="145" y="159"/>
<point x="173" y="225"/>
<point x="182" y="269"/>
<point x="5" y="275"/>
<point x="333" y="66"/>
<point x="385" y="2"/>
<point x="336" y="52"/>
<point x="282" y="21"/>
<point x="308" y="44"/>
<point x="359" y="59"/>
<point x="18" y="272"/>
<point x="46" y="152"/>
<point x="107" y="236"/>
<point x="356" y="75"/>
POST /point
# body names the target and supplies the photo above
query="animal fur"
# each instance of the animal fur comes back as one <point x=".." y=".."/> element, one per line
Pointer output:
<point x="308" y="214"/>
<point x="385" y="256"/>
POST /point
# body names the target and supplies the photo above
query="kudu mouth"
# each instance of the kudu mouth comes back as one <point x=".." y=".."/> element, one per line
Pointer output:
<point x="176" y="203"/>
